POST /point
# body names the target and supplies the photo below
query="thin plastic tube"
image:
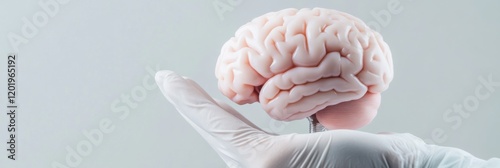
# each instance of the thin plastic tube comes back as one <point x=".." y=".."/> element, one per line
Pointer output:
<point x="314" y="125"/>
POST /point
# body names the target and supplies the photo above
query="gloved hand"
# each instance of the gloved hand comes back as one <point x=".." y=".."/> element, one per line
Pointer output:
<point x="242" y="144"/>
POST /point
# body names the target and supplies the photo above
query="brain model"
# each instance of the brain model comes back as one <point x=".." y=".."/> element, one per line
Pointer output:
<point x="297" y="63"/>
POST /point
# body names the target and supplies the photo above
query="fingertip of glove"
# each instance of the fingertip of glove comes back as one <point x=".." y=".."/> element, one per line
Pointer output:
<point x="163" y="75"/>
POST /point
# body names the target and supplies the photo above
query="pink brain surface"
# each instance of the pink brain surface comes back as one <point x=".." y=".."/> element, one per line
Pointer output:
<point x="298" y="62"/>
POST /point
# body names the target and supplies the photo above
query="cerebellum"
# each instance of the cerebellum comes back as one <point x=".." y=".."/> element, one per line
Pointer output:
<point x="297" y="63"/>
<point x="352" y="114"/>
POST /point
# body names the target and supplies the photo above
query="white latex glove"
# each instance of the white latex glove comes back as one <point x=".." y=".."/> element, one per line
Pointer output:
<point x="242" y="144"/>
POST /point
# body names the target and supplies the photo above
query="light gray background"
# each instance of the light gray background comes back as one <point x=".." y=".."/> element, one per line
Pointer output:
<point x="91" y="52"/>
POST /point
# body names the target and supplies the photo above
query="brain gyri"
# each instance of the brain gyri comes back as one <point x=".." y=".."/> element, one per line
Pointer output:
<point x="297" y="63"/>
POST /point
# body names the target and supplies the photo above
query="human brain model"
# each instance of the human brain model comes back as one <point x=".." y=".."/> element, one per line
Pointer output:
<point x="299" y="63"/>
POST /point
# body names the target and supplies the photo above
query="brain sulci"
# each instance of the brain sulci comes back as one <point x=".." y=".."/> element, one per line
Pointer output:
<point x="296" y="62"/>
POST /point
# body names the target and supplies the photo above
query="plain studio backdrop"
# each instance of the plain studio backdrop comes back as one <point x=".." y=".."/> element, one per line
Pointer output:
<point x="87" y="98"/>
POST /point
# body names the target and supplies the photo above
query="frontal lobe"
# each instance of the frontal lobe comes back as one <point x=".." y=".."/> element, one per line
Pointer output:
<point x="298" y="62"/>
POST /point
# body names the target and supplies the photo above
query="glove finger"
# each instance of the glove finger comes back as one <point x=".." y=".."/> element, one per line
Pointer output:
<point x="201" y="109"/>
<point x="224" y="106"/>
<point x="231" y="110"/>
